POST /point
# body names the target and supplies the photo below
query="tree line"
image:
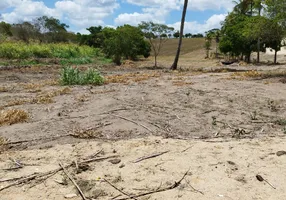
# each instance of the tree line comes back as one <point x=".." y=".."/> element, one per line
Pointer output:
<point x="253" y="26"/>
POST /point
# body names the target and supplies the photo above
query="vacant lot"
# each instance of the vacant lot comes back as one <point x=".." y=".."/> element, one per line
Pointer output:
<point x="219" y="126"/>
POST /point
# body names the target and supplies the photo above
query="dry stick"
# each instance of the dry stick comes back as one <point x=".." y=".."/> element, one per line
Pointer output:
<point x="194" y="188"/>
<point x="150" y="156"/>
<point x="73" y="181"/>
<point x="116" y="188"/>
<point x="176" y="184"/>
<point x="132" y="122"/>
<point x="48" y="174"/>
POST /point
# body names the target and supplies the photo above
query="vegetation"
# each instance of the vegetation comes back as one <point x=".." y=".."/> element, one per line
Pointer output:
<point x="73" y="76"/>
<point x="125" y="41"/>
<point x="246" y="30"/>
<point x="156" y="34"/>
<point x="20" y="50"/>
<point x="9" y="117"/>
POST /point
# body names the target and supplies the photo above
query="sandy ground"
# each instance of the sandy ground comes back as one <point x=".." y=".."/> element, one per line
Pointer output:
<point x="224" y="124"/>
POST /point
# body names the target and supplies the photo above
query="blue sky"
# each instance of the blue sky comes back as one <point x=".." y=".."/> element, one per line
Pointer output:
<point x="202" y="15"/>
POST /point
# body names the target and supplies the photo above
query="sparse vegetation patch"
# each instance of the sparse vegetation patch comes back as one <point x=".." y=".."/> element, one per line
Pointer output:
<point x="73" y="76"/>
<point x="13" y="116"/>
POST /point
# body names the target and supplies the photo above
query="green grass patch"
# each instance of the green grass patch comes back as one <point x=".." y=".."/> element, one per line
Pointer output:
<point x="73" y="76"/>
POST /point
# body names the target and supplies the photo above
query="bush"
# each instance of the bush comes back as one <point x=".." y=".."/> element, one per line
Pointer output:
<point x="73" y="76"/>
<point x="20" y="50"/>
<point x="125" y="42"/>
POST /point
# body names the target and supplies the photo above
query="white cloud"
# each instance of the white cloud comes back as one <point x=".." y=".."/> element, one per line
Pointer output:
<point x="78" y="13"/>
<point x="81" y="14"/>
<point x="86" y="13"/>
<point x="195" y="27"/>
<point x="27" y="10"/>
<point x="202" y="5"/>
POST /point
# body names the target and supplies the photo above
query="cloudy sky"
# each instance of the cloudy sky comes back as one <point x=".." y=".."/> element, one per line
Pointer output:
<point x="202" y="15"/>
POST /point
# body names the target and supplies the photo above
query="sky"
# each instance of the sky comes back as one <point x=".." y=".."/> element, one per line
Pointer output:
<point x="202" y="15"/>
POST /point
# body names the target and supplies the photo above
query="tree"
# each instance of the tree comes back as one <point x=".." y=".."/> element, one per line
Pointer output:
<point x="51" y="29"/>
<point x="153" y="32"/>
<point x="210" y="35"/>
<point x="188" y="35"/>
<point x="176" y="60"/>
<point x="24" y="31"/>
<point x="176" y="34"/>
<point x="94" y="39"/>
<point x="198" y="35"/>
<point x="5" y="29"/>
<point x="125" y="41"/>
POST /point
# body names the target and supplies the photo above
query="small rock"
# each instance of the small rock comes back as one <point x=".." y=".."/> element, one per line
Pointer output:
<point x="122" y="165"/>
<point x="69" y="196"/>
<point x="281" y="153"/>
<point x="115" y="161"/>
<point x="231" y="163"/>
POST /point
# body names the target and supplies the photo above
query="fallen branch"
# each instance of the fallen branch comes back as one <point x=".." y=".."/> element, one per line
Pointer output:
<point x="150" y="156"/>
<point x="73" y="181"/>
<point x="116" y="188"/>
<point x="176" y="184"/>
<point x="132" y="122"/>
<point x="48" y="174"/>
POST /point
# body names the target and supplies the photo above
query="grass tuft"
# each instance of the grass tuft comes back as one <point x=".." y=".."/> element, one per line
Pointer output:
<point x="73" y="76"/>
<point x="13" y="116"/>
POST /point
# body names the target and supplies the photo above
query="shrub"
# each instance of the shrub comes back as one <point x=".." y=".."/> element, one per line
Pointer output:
<point x="20" y="50"/>
<point x="73" y="76"/>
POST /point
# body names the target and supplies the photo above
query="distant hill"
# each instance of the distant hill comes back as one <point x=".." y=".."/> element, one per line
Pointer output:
<point x="189" y="45"/>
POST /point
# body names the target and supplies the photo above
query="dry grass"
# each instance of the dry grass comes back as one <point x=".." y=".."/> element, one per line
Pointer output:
<point x="257" y="74"/>
<point x="130" y="77"/>
<point x="86" y="134"/>
<point x="169" y="48"/>
<point x="3" y="89"/>
<point x="182" y="83"/>
<point x="82" y="98"/>
<point x="13" y="116"/>
<point x="39" y="85"/>
<point x="47" y="97"/>
<point x="42" y="98"/>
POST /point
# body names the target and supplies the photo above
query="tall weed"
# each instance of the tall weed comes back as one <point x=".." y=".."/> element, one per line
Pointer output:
<point x="73" y="76"/>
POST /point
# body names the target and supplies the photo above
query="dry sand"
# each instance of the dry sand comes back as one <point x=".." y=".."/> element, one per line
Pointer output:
<point x="222" y="124"/>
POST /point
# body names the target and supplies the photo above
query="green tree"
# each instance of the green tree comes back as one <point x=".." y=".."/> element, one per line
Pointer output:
<point x="176" y="34"/>
<point x="5" y="29"/>
<point x="125" y="41"/>
<point x="153" y="32"/>
<point x="188" y="35"/>
<point x="94" y="39"/>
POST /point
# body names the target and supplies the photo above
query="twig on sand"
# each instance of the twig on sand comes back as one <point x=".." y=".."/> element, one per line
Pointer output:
<point x="132" y="122"/>
<point x="73" y="181"/>
<point x="150" y="156"/>
<point x="176" y="184"/>
<point x="187" y="149"/>
<point x="119" y="190"/>
<point x="188" y="182"/>
<point x="45" y="175"/>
